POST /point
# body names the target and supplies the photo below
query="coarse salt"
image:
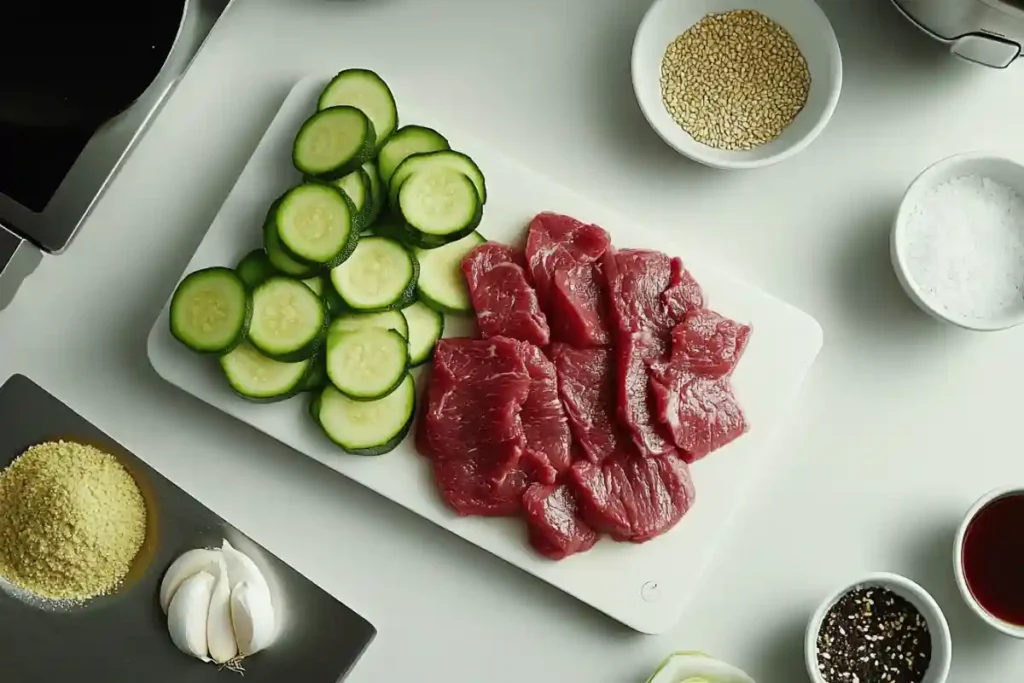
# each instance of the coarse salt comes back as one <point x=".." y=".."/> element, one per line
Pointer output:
<point x="965" y="247"/>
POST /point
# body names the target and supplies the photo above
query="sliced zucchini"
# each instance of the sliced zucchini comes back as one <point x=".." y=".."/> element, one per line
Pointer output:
<point x="316" y="284"/>
<point x="367" y="364"/>
<point x="365" y="90"/>
<point x="211" y="310"/>
<point x="442" y="286"/>
<point x="277" y="255"/>
<point x="288" y="320"/>
<point x="377" y="194"/>
<point x="316" y="378"/>
<point x="333" y="302"/>
<point x="425" y="327"/>
<point x="255" y="267"/>
<point x="380" y="275"/>
<point x="356" y="186"/>
<point x="408" y="140"/>
<point x="457" y="161"/>
<point x="315" y="225"/>
<point x="386" y="320"/>
<point x="255" y="377"/>
<point x="366" y="427"/>
<point x="439" y="204"/>
<point x="333" y="142"/>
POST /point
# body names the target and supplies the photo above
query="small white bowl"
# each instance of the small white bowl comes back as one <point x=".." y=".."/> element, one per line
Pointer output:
<point x="997" y="168"/>
<point x="811" y="31"/>
<point x="942" y="642"/>
<point x="958" y="563"/>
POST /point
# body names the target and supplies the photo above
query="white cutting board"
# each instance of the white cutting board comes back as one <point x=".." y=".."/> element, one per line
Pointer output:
<point x="644" y="586"/>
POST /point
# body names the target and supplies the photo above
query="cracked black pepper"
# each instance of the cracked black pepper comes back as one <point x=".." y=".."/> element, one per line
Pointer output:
<point x="872" y="635"/>
<point x="734" y="80"/>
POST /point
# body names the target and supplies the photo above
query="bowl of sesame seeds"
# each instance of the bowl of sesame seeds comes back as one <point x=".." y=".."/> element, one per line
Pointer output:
<point x="735" y="87"/>
<point x="883" y="628"/>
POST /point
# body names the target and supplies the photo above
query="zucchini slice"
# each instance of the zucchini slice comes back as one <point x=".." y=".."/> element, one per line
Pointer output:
<point x="316" y="283"/>
<point x="367" y="364"/>
<point x="288" y="320"/>
<point x="385" y="320"/>
<point x="366" y="91"/>
<point x="277" y="255"/>
<point x="356" y="186"/>
<point x="316" y="378"/>
<point x="315" y="225"/>
<point x="442" y="286"/>
<point x="366" y="427"/>
<point x="408" y="140"/>
<point x="333" y="142"/>
<point x="381" y="274"/>
<point x="377" y="194"/>
<point x="211" y="310"/>
<point x="255" y="377"/>
<point x="255" y="267"/>
<point x="439" y="204"/>
<point x="457" y="161"/>
<point x="426" y="326"/>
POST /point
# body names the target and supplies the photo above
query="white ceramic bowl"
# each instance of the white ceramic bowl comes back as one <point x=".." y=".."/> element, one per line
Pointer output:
<point x="958" y="563"/>
<point x="942" y="642"/>
<point x="811" y="31"/>
<point x="997" y="168"/>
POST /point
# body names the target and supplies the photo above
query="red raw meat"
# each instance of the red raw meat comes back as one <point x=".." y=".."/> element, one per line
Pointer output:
<point x="633" y="498"/>
<point x="470" y="426"/>
<point x="648" y="291"/>
<point x="545" y="425"/>
<point x="637" y="409"/>
<point x="708" y="344"/>
<point x="505" y="303"/>
<point x="556" y="530"/>
<point x="700" y="412"/>
<point x="579" y="306"/>
<point x="555" y="242"/>
<point x="586" y="383"/>
<point x="684" y="293"/>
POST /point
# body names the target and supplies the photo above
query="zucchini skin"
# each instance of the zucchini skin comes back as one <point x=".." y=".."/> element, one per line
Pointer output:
<point x="391" y="389"/>
<point x="340" y="256"/>
<point x="272" y="244"/>
<point x="311" y="348"/>
<point x="294" y="391"/>
<point x="246" y="317"/>
<point x="316" y="378"/>
<point x="406" y="298"/>
<point x="414" y="238"/>
<point x="255" y="268"/>
<point x="363" y="154"/>
<point x="386" y="447"/>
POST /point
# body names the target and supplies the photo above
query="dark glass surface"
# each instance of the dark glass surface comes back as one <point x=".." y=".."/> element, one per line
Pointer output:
<point x="65" y="69"/>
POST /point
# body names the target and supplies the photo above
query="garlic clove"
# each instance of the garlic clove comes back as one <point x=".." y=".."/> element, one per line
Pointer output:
<point x="188" y="612"/>
<point x="219" y="634"/>
<point x="252" y="615"/>
<point x="190" y="563"/>
<point x="241" y="569"/>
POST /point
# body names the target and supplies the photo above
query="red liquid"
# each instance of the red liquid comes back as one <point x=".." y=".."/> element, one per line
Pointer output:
<point x="993" y="558"/>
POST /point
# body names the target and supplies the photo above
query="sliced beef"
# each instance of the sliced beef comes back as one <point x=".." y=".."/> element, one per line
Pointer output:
<point x="579" y="306"/>
<point x="700" y="412"/>
<point x="708" y="344"/>
<point x="633" y="498"/>
<point x="637" y="408"/>
<point x="505" y="303"/>
<point x="470" y="427"/>
<point x="684" y="293"/>
<point x="545" y="425"/>
<point x="556" y="529"/>
<point x="586" y="384"/>
<point x="555" y="242"/>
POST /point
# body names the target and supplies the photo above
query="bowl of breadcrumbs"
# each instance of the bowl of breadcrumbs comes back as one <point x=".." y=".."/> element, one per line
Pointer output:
<point x="737" y="84"/>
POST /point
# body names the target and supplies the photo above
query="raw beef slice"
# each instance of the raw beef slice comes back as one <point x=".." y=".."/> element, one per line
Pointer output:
<point x="556" y="530"/>
<point x="505" y="303"/>
<point x="633" y="498"/>
<point x="579" y="307"/>
<point x="555" y="242"/>
<point x="586" y="383"/>
<point x="647" y="290"/>
<point x="545" y="425"/>
<point x="470" y="426"/>
<point x="708" y="344"/>
<point x="701" y="413"/>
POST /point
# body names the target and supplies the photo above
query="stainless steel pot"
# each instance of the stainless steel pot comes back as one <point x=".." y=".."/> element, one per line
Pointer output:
<point x="988" y="32"/>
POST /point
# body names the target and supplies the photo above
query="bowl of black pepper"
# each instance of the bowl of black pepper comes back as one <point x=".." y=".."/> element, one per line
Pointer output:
<point x="881" y="629"/>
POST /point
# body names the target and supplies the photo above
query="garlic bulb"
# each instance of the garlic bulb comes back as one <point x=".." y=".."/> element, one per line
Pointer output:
<point x="192" y="562"/>
<point x="187" y="614"/>
<point x="253" y="617"/>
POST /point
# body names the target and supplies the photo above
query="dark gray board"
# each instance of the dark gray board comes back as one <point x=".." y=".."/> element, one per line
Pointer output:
<point x="122" y="638"/>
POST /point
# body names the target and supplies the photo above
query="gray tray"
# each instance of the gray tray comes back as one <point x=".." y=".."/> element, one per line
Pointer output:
<point x="123" y="637"/>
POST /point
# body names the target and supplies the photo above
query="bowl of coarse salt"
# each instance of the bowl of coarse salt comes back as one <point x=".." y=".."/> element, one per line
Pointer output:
<point x="736" y="84"/>
<point x="957" y="244"/>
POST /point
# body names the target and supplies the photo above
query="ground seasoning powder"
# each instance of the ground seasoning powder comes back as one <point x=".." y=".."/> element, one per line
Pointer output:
<point x="72" y="520"/>
<point x="872" y="635"/>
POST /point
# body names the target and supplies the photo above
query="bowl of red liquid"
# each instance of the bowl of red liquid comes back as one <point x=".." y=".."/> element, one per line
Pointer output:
<point x="988" y="559"/>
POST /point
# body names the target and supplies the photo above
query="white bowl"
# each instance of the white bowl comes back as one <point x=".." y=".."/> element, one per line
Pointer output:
<point x="997" y="168"/>
<point x="958" y="563"/>
<point x="942" y="642"/>
<point x="811" y="31"/>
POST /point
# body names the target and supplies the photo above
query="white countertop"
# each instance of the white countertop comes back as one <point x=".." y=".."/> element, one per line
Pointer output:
<point x="902" y="424"/>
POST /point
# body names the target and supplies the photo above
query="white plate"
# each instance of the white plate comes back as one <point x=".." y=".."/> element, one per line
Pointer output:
<point x="644" y="586"/>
